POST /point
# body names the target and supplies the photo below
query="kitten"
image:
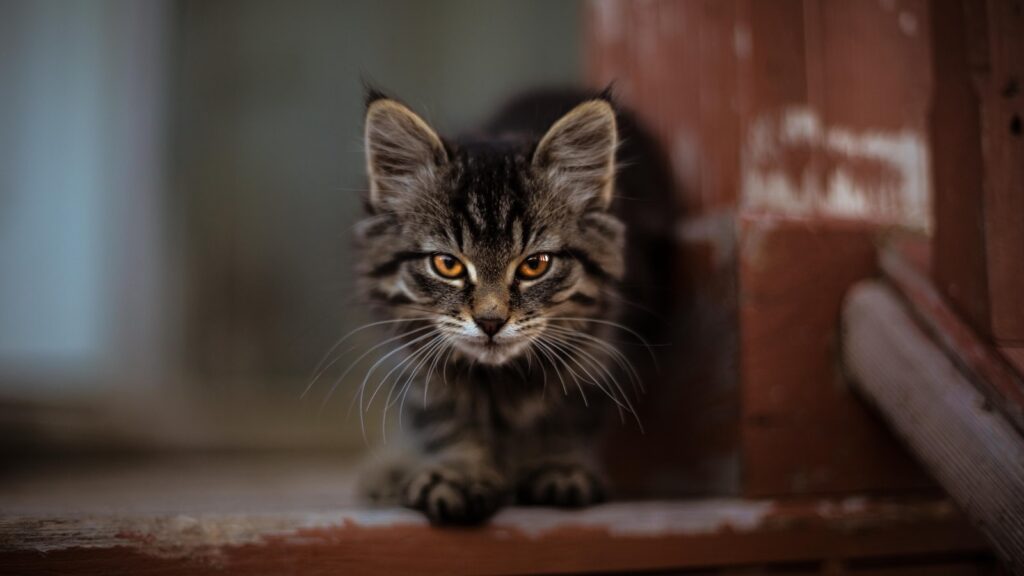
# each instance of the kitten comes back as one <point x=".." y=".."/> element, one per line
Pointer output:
<point x="500" y="258"/>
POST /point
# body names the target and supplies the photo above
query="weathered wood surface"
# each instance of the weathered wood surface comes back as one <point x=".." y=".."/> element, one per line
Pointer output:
<point x="972" y="450"/>
<point x="1002" y="385"/>
<point x="801" y="113"/>
<point x="289" y="513"/>
<point x="626" y="537"/>
<point x="809" y="108"/>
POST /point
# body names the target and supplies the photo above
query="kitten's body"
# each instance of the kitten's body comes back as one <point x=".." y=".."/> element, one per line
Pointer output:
<point x="508" y="416"/>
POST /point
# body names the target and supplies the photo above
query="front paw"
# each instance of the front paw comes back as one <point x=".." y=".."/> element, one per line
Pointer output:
<point x="453" y="496"/>
<point x="563" y="485"/>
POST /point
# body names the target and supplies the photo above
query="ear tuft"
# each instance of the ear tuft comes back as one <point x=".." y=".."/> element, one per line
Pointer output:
<point x="577" y="155"/>
<point x="372" y="95"/>
<point x="403" y="154"/>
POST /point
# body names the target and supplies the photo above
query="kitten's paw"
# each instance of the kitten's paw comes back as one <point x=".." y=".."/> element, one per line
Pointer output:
<point x="450" y="496"/>
<point x="564" y="485"/>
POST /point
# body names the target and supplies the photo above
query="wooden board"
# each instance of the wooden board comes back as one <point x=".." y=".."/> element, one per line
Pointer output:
<point x="626" y="538"/>
<point x="978" y="151"/>
<point x="974" y="452"/>
<point x="803" y="430"/>
<point x="804" y="112"/>
<point x="800" y="107"/>
<point x="292" y="513"/>
<point x="995" y="376"/>
<point x="1001" y="91"/>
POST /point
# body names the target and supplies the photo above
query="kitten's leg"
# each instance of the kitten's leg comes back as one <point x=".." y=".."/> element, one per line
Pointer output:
<point x="567" y="480"/>
<point x="382" y="478"/>
<point x="458" y="486"/>
<point x="555" y="462"/>
<point x="458" y="481"/>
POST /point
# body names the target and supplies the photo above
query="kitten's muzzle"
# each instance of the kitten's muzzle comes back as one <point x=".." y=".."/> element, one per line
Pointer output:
<point x="490" y="325"/>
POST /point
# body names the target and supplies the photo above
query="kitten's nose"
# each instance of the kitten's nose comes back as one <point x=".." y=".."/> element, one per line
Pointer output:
<point x="490" y="324"/>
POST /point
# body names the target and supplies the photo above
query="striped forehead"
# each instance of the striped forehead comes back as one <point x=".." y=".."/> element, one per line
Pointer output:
<point x="489" y="201"/>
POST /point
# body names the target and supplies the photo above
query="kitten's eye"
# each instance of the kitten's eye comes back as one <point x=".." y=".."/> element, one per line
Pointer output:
<point x="534" y="267"/>
<point x="447" y="266"/>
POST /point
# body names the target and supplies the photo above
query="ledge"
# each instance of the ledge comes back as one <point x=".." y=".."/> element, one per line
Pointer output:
<point x="230" y="515"/>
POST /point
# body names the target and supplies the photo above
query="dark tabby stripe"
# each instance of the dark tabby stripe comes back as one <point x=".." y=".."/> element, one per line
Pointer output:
<point x="588" y="263"/>
<point x="583" y="299"/>
<point x="385" y="298"/>
<point x="391" y="265"/>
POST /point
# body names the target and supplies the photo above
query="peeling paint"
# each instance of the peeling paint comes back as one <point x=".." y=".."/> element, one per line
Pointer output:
<point x="644" y="518"/>
<point x="794" y="165"/>
<point x="206" y="535"/>
<point x="184" y="534"/>
<point x="717" y="230"/>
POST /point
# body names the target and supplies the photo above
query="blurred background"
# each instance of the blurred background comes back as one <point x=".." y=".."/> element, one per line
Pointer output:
<point x="177" y="185"/>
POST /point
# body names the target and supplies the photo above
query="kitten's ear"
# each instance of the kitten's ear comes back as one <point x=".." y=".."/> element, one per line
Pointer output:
<point x="577" y="155"/>
<point x="403" y="154"/>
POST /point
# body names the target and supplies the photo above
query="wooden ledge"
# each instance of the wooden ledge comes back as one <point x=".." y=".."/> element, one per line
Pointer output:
<point x="625" y="537"/>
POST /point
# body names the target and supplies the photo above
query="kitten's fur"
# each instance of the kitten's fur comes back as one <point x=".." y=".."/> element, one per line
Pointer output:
<point x="510" y="417"/>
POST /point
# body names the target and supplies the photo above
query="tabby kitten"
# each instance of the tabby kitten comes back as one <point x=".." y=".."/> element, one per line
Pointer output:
<point x="499" y="258"/>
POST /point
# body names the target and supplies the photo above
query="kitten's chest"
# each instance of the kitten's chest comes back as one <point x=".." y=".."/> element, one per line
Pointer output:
<point x="524" y="412"/>
<point x="500" y="402"/>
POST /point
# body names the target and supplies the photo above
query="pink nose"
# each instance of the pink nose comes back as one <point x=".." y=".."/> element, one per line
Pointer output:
<point x="490" y="325"/>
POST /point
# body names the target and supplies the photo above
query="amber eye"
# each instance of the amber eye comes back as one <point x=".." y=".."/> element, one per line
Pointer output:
<point x="534" y="267"/>
<point x="447" y="266"/>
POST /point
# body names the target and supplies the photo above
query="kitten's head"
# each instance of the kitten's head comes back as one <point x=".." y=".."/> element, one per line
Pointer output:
<point x="494" y="243"/>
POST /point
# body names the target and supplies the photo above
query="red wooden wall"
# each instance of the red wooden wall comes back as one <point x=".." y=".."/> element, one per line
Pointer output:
<point x="797" y="132"/>
<point x="978" y="147"/>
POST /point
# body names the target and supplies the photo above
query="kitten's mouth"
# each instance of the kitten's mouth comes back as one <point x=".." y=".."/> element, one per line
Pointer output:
<point x="492" y="351"/>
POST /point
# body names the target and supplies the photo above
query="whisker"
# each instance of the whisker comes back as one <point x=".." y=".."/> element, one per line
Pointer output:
<point x="570" y="347"/>
<point x="544" y="371"/>
<point x="364" y="355"/>
<point x="424" y="352"/>
<point x="579" y="349"/>
<point x="541" y="349"/>
<point x="433" y="364"/>
<point x="444" y="366"/>
<point x="320" y="368"/>
<point x="622" y="327"/>
<point x="362" y="386"/>
<point x="404" y="393"/>
<point x="569" y="350"/>
<point x="620" y="359"/>
<point x="404" y="362"/>
<point x="572" y="373"/>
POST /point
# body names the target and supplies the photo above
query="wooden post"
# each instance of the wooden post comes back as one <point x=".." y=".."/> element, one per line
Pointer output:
<point x="978" y="164"/>
<point x="975" y="453"/>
